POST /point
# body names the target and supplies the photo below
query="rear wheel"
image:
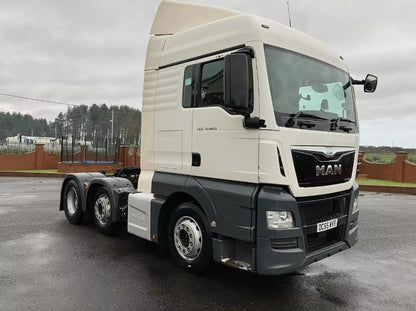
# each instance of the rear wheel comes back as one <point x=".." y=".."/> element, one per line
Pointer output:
<point x="102" y="212"/>
<point x="190" y="240"/>
<point x="72" y="202"/>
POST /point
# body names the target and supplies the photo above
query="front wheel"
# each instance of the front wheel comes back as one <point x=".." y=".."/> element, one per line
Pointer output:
<point x="102" y="212"/>
<point x="190" y="240"/>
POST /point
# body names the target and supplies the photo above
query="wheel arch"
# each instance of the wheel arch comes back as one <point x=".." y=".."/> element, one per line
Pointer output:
<point x="89" y="202"/>
<point x="165" y="213"/>
<point x="61" y="201"/>
<point x="81" y="179"/>
<point x="229" y="206"/>
<point x="114" y="186"/>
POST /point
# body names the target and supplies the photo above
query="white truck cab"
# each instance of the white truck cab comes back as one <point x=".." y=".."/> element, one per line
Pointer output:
<point x="250" y="142"/>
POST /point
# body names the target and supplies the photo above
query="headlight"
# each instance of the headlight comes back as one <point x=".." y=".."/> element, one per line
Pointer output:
<point x="279" y="220"/>
<point x="355" y="207"/>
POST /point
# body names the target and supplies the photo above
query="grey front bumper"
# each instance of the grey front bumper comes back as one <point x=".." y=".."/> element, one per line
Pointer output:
<point x="286" y="250"/>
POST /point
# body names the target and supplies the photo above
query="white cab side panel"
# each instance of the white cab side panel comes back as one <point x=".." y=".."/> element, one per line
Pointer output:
<point x="148" y="131"/>
<point x="145" y="181"/>
<point x="138" y="214"/>
<point x="228" y="151"/>
<point x="170" y="150"/>
<point x="154" y="49"/>
<point x="173" y="124"/>
<point x="148" y="120"/>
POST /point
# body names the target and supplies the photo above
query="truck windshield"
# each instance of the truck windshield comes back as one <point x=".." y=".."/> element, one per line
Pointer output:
<point x="308" y="93"/>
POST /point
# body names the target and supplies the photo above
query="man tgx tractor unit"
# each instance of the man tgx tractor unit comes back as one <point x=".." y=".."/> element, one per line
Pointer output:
<point x="249" y="147"/>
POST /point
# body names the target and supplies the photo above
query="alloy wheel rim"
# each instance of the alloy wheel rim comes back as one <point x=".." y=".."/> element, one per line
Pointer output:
<point x="72" y="201"/>
<point x="102" y="209"/>
<point x="187" y="238"/>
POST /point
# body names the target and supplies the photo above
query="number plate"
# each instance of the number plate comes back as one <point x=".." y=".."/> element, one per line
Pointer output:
<point x="326" y="225"/>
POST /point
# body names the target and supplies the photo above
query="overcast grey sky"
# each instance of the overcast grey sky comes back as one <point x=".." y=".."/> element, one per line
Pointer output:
<point x="93" y="51"/>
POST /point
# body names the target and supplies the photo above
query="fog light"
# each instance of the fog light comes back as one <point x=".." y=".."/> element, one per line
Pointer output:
<point x="355" y="207"/>
<point x="279" y="220"/>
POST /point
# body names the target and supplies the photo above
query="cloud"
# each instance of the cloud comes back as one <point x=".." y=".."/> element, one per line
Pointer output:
<point x="92" y="51"/>
<point x="72" y="51"/>
<point x="378" y="132"/>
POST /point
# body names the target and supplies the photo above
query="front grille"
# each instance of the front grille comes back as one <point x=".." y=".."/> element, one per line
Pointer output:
<point x="322" y="209"/>
<point x="315" y="168"/>
<point x="316" y="241"/>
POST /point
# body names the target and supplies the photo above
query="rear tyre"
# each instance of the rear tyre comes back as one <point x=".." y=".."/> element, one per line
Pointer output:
<point x="72" y="202"/>
<point x="102" y="212"/>
<point x="189" y="238"/>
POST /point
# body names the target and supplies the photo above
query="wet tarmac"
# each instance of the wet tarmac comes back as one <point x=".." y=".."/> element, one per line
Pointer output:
<point x="48" y="264"/>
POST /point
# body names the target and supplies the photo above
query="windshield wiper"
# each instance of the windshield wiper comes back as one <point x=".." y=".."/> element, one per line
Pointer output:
<point x="342" y="120"/>
<point x="334" y="124"/>
<point x="294" y="117"/>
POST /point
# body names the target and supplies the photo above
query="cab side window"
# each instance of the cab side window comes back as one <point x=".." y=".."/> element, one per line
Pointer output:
<point x="188" y="87"/>
<point x="203" y="85"/>
<point x="212" y="84"/>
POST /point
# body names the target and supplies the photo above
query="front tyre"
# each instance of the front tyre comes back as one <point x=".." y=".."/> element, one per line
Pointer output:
<point x="190" y="240"/>
<point x="102" y="212"/>
<point x="72" y="202"/>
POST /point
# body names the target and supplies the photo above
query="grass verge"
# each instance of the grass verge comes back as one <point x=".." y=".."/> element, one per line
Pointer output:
<point x="378" y="182"/>
<point x="33" y="171"/>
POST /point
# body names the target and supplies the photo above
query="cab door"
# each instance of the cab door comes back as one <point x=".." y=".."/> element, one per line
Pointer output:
<point x="222" y="148"/>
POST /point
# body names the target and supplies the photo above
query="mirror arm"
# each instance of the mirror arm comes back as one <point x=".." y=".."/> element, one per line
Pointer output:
<point x="253" y="123"/>
<point x="357" y="82"/>
<point x="247" y="50"/>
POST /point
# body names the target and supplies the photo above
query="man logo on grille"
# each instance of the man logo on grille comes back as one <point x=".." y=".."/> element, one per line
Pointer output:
<point x="328" y="170"/>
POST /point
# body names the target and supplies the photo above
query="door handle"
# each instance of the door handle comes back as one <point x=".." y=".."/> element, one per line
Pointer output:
<point x="196" y="159"/>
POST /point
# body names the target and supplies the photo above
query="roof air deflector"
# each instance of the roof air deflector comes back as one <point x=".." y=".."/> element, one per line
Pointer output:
<point x="173" y="17"/>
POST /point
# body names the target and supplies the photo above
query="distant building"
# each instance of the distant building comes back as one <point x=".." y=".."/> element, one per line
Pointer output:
<point x="32" y="140"/>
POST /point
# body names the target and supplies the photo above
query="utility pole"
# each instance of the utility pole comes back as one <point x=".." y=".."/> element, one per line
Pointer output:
<point x="112" y="126"/>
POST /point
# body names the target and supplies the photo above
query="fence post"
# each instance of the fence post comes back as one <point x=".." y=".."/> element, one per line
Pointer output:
<point x="66" y="147"/>
<point x="117" y="152"/>
<point x="106" y="147"/>
<point x="135" y="149"/>
<point x="72" y="149"/>
<point x="401" y="157"/>
<point x="96" y="150"/>
<point x="39" y="156"/>
<point x="62" y="149"/>
<point x="84" y="153"/>
<point x="122" y="155"/>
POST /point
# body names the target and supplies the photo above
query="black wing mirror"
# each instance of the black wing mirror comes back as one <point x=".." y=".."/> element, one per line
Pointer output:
<point x="370" y="83"/>
<point x="238" y="84"/>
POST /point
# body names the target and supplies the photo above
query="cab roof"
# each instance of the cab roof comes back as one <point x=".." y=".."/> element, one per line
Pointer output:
<point x="183" y="31"/>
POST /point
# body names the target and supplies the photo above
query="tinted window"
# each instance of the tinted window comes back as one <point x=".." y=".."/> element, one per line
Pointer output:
<point x="188" y="86"/>
<point x="212" y="84"/>
<point x="203" y="85"/>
